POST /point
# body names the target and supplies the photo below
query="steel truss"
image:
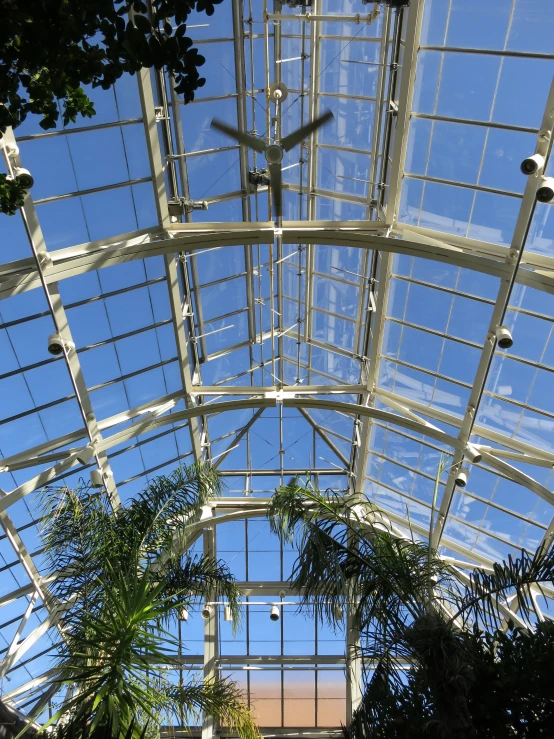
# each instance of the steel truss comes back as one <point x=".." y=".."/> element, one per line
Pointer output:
<point x="380" y="237"/>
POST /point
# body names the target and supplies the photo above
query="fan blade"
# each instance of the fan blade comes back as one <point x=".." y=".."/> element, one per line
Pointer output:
<point x="290" y="142"/>
<point x="240" y="136"/>
<point x="276" y="188"/>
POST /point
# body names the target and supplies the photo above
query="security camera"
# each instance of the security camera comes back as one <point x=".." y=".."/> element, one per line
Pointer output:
<point x="24" y="177"/>
<point x="207" y="612"/>
<point x="545" y="193"/>
<point x="504" y="337"/>
<point x="274" y="613"/>
<point x="96" y="479"/>
<point x="531" y="164"/>
<point x="461" y="477"/>
<point x="56" y="344"/>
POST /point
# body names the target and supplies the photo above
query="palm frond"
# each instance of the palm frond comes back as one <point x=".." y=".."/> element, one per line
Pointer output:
<point x="346" y="555"/>
<point x="487" y="591"/>
<point x="168" y="504"/>
<point x="78" y="536"/>
<point x="120" y="581"/>
<point x="191" y="577"/>
<point x="220" y="698"/>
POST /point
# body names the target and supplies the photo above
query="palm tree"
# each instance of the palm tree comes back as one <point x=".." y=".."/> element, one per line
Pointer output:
<point x="407" y="604"/>
<point x="121" y="580"/>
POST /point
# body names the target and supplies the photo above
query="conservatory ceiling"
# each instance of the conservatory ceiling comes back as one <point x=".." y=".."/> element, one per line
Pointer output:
<point x="353" y="339"/>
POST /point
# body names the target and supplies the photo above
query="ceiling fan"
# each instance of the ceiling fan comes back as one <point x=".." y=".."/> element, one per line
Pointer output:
<point x="273" y="152"/>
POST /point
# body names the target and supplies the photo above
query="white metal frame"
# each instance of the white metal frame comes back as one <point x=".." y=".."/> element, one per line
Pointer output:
<point x="379" y="239"/>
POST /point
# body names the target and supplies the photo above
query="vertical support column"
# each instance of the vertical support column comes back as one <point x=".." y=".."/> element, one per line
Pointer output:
<point x="240" y="77"/>
<point x="353" y="667"/>
<point x="211" y="641"/>
<point x="359" y="464"/>
<point x="315" y="56"/>
<point x="157" y="168"/>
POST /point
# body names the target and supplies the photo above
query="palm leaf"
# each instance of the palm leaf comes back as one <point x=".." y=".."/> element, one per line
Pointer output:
<point x="487" y="591"/>
<point x="126" y="582"/>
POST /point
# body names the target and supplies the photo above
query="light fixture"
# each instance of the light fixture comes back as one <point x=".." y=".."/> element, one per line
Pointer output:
<point x="183" y="613"/>
<point x="530" y="165"/>
<point x="545" y="193"/>
<point x="56" y="344"/>
<point x="277" y="92"/>
<point x="473" y="454"/>
<point x="227" y="613"/>
<point x="85" y="454"/>
<point x="461" y="477"/>
<point x="504" y="337"/>
<point x="96" y="479"/>
<point x="24" y="177"/>
<point x="274" y="613"/>
<point x="207" y="612"/>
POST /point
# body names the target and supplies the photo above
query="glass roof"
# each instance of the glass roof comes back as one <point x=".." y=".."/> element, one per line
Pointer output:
<point x="353" y="340"/>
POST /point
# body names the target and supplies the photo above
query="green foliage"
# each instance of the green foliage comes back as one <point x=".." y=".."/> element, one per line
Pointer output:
<point x="12" y="195"/>
<point x="121" y="578"/>
<point x="50" y="48"/>
<point x="411" y="608"/>
<point x="508" y="684"/>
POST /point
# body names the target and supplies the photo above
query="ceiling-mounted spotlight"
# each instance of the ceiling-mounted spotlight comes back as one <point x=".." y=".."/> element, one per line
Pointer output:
<point x="24" y="177"/>
<point x="207" y="612"/>
<point x="85" y="454"/>
<point x="56" y="344"/>
<point x="274" y="613"/>
<point x="504" y="337"/>
<point x="183" y="613"/>
<point x="278" y="92"/>
<point x="96" y="479"/>
<point x="473" y="454"/>
<point x="545" y="193"/>
<point x="530" y="165"/>
<point x="461" y="477"/>
<point x="227" y="613"/>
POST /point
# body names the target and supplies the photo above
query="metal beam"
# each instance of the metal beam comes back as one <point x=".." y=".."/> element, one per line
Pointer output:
<point x="152" y="422"/>
<point x="513" y="259"/>
<point x="21" y="276"/>
<point x="371" y="368"/>
<point x="405" y="98"/>
<point x="211" y="640"/>
<point x="321" y="433"/>
<point x="170" y="260"/>
<point x="41" y="261"/>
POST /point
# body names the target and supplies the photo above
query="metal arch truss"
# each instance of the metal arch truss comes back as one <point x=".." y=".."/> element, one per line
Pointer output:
<point x="379" y="238"/>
